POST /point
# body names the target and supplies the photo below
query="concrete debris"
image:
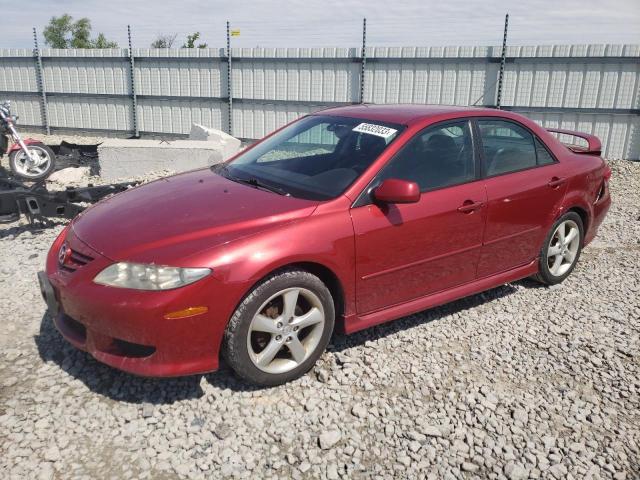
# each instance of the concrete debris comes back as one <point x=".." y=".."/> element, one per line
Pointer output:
<point x="495" y="386"/>
<point x="229" y="145"/>
<point x="131" y="158"/>
<point x="70" y="176"/>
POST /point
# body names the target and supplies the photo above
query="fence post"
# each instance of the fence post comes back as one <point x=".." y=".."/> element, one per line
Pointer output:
<point x="44" y="108"/>
<point x="363" y="58"/>
<point x="134" y="97"/>
<point x="502" y="61"/>
<point x="229" y="83"/>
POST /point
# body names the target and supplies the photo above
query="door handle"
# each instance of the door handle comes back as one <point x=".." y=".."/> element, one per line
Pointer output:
<point x="555" y="182"/>
<point x="470" y="206"/>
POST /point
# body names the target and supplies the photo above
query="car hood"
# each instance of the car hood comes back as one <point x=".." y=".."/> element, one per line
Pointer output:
<point x="171" y="219"/>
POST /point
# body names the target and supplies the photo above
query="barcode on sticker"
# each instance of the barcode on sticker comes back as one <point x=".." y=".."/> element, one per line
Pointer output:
<point x="377" y="130"/>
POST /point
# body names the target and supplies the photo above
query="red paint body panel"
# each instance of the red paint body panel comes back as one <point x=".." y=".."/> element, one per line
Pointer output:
<point x="406" y="251"/>
<point x="182" y="346"/>
<point x="397" y="191"/>
<point x="181" y="215"/>
<point x="389" y="260"/>
<point x="439" y="298"/>
<point x="521" y="207"/>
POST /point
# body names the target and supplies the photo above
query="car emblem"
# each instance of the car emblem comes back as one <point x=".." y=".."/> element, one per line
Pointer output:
<point x="63" y="254"/>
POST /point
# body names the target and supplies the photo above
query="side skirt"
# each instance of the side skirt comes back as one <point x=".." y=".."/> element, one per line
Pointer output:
<point x="355" y="323"/>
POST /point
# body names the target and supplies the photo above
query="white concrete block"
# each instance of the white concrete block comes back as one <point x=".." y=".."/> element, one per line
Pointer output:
<point x="229" y="145"/>
<point x="121" y="159"/>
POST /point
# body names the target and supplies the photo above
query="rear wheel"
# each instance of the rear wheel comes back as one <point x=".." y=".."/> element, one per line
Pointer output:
<point x="38" y="165"/>
<point x="561" y="249"/>
<point x="280" y="329"/>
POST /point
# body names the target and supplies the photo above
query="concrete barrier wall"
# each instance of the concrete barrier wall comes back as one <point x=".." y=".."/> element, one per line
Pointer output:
<point x="593" y="88"/>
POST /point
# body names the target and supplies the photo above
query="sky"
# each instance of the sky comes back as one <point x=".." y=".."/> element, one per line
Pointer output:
<point x="308" y="23"/>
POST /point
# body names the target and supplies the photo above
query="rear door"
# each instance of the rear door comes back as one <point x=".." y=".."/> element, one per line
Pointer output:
<point x="405" y="251"/>
<point x="525" y="187"/>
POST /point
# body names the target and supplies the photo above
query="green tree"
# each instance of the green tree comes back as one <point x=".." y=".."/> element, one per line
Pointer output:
<point x="191" y="41"/>
<point x="57" y="33"/>
<point x="63" y="32"/>
<point x="102" y="42"/>
<point x="81" y="34"/>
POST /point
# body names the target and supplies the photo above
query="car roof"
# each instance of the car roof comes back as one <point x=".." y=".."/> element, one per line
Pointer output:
<point x="406" y="114"/>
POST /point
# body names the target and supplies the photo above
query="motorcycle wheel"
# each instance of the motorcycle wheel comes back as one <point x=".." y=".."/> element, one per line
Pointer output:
<point x="26" y="169"/>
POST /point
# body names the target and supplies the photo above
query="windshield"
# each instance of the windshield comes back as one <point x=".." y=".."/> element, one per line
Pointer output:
<point x="315" y="158"/>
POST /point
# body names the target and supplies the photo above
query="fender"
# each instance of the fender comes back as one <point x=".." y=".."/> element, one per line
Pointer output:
<point x="574" y="201"/>
<point x="240" y="264"/>
<point x="575" y="198"/>
<point x="248" y="260"/>
<point x="27" y="141"/>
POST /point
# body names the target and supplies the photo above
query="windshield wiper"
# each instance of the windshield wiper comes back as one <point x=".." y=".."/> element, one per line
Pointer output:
<point x="265" y="186"/>
<point x="252" y="181"/>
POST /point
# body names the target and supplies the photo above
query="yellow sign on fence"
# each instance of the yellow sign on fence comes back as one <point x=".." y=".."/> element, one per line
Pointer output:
<point x="235" y="33"/>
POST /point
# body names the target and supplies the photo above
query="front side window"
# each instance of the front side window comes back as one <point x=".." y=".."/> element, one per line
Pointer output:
<point x="437" y="157"/>
<point x="507" y="147"/>
<point x="316" y="158"/>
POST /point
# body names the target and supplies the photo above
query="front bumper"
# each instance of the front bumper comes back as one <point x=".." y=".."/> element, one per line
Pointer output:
<point x="126" y="328"/>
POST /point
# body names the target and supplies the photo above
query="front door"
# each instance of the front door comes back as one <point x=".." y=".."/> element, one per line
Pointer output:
<point x="405" y="251"/>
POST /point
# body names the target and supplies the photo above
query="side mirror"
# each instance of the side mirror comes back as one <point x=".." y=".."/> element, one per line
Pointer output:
<point x="394" y="190"/>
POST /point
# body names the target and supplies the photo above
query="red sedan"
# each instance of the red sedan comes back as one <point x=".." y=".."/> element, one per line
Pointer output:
<point x="347" y="218"/>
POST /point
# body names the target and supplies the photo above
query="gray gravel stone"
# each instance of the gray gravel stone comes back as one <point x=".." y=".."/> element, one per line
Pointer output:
<point x="470" y="467"/>
<point x="328" y="439"/>
<point x="359" y="411"/>
<point x="431" y="431"/>
<point x="520" y="381"/>
<point x="52" y="454"/>
<point x="515" y="471"/>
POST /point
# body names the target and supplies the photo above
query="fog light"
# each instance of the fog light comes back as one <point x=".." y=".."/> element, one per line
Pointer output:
<point x="187" y="312"/>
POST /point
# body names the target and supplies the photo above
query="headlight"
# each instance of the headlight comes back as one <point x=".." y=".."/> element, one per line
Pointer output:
<point x="149" y="277"/>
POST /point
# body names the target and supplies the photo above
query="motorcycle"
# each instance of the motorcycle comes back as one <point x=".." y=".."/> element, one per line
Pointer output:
<point x="29" y="159"/>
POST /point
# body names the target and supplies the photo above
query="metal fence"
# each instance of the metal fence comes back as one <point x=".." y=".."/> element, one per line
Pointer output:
<point x="593" y="88"/>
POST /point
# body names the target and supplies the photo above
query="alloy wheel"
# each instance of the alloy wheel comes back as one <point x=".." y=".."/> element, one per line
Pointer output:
<point x="286" y="330"/>
<point x="34" y="164"/>
<point x="563" y="248"/>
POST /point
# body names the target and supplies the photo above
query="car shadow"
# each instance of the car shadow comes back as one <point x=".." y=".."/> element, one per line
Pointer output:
<point x="343" y="342"/>
<point x="122" y="386"/>
<point x="125" y="387"/>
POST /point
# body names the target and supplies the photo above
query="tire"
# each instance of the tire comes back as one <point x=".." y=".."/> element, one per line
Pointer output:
<point x="274" y="318"/>
<point x="17" y="163"/>
<point x="553" y="269"/>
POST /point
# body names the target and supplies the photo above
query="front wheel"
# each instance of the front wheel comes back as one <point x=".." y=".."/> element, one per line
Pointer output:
<point x="280" y="329"/>
<point x="561" y="249"/>
<point x="34" y="167"/>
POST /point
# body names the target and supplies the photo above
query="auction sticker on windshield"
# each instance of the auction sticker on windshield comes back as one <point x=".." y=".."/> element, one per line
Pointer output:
<point x="377" y="130"/>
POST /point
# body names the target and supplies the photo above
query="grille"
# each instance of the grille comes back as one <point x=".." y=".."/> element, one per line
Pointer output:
<point x="76" y="260"/>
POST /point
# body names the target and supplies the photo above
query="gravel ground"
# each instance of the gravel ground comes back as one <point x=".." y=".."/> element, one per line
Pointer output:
<point x="518" y="382"/>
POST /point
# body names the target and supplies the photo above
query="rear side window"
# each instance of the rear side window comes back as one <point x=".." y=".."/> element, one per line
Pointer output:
<point x="437" y="157"/>
<point x="507" y="147"/>
<point x="544" y="157"/>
